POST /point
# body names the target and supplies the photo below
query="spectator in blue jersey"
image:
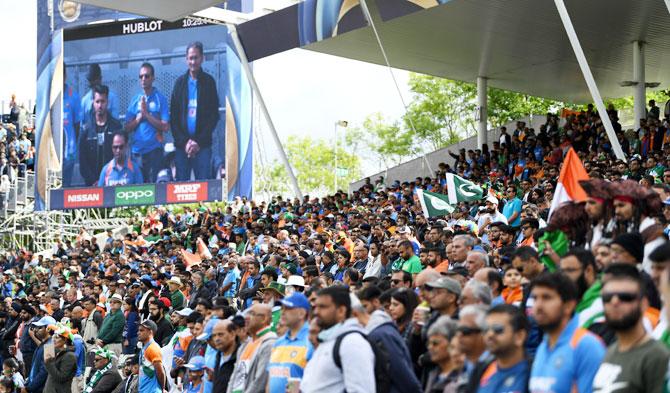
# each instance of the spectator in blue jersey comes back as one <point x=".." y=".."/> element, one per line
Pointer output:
<point x="508" y="371"/>
<point x="292" y="351"/>
<point x="121" y="170"/>
<point x="568" y="358"/>
<point x="194" y="113"/>
<point x="94" y="78"/>
<point x="512" y="209"/>
<point x="95" y="137"/>
<point x="147" y="118"/>
<point x="71" y="120"/>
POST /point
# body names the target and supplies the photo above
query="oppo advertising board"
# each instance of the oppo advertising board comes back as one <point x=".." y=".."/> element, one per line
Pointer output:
<point x="144" y="115"/>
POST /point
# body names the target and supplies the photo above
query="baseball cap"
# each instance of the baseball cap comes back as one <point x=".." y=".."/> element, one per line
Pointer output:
<point x="197" y="363"/>
<point x="404" y="229"/>
<point x="447" y="283"/>
<point x="296" y="300"/>
<point x="185" y="312"/>
<point x="116" y="297"/>
<point x="149" y="324"/>
<point x="207" y="331"/>
<point x="45" y="321"/>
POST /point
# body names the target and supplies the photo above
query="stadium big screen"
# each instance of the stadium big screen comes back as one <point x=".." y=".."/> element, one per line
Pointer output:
<point x="144" y="115"/>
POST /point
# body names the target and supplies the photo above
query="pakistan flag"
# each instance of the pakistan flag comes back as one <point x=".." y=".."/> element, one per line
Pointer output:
<point x="461" y="190"/>
<point x="433" y="204"/>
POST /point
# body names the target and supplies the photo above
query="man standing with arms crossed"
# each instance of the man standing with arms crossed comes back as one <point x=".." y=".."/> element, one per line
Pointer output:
<point x="147" y="117"/>
<point x="194" y="109"/>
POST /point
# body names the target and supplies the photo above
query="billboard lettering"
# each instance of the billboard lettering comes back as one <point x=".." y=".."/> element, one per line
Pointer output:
<point x="86" y="197"/>
<point x="142" y="27"/>
<point x="188" y="192"/>
<point x="135" y="195"/>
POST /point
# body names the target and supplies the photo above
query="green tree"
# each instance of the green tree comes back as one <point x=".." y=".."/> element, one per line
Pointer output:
<point x="388" y="142"/>
<point x="505" y="106"/>
<point x="441" y="111"/>
<point x="313" y="162"/>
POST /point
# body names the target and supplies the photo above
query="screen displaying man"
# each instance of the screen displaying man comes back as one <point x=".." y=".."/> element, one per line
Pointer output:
<point x="121" y="170"/>
<point x="194" y="109"/>
<point x="95" y="138"/>
<point x="147" y="117"/>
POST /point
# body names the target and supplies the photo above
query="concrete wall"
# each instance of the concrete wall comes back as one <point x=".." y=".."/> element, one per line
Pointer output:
<point x="421" y="166"/>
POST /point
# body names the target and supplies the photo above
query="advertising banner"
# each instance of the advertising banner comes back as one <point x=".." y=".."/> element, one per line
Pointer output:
<point x="137" y="195"/>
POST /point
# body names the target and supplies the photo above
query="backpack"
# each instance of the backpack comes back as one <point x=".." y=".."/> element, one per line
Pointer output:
<point x="382" y="360"/>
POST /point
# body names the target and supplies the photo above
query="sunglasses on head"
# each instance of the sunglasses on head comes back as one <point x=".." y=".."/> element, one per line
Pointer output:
<point x="625" y="297"/>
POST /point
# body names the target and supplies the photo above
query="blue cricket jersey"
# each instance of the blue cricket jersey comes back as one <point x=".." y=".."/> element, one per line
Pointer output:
<point x="289" y="358"/>
<point x="570" y="365"/>
<point x="145" y="136"/>
<point x="505" y="380"/>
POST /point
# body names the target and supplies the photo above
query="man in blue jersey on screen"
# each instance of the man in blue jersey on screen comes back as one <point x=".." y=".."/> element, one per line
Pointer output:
<point x="147" y="118"/>
<point x="121" y="170"/>
<point x="568" y="358"/>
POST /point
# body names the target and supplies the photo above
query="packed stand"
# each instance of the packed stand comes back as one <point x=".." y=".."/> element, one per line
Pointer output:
<point x="363" y="293"/>
<point x="17" y="144"/>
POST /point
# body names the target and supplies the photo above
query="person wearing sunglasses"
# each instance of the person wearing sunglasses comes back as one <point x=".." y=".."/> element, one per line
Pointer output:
<point x="148" y="118"/>
<point x="635" y="360"/>
<point x="470" y="338"/>
<point x="505" y="331"/>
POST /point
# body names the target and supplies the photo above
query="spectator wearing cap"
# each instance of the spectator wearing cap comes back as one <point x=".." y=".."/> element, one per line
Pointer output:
<point x="61" y="366"/>
<point x="164" y="329"/>
<point x="196" y="370"/>
<point x="292" y="351"/>
<point x="489" y="215"/>
<point x="176" y="295"/>
<point x="250" y="374"/>
<point x="152" y="374"/>
<point x="37" y="376"/>
<point x="110" y="335"/>
<point x="131" y="370"/>
<point x="272" y="296"/>
<point x="27" y="345"/>
<point x="629" y="248"/>
<point x="105" y="378"/>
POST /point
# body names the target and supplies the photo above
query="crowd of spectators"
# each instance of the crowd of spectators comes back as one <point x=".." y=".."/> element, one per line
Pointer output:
<point x="361" y="292"/>
<point x="17" y="144"/>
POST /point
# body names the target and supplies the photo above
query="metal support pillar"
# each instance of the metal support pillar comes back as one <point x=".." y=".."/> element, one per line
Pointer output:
<point x="588" y="77"/>
<point x="482" y="111"/>
<point x="264" y="109"/>
<point x="639" y="88"/>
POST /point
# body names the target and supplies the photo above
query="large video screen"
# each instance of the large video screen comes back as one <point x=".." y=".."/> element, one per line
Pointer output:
<point x="144" y="114"/>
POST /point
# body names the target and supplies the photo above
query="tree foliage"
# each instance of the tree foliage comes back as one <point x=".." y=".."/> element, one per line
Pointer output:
<point x="313" y="162"/>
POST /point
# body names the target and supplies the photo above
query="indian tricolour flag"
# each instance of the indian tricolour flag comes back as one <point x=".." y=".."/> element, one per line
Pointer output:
<point x="434" y="204"/>
<point x="568" y="188"/>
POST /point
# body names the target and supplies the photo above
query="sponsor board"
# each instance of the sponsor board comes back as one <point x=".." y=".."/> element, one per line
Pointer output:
<point x="83" y="197"/>
<point x="135" y="195"/>
<point x="186" y="192"/>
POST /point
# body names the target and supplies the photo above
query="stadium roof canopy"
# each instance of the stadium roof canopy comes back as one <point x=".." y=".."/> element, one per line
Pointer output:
<point x="517" y="45"/>
<point x="520" y="45"/>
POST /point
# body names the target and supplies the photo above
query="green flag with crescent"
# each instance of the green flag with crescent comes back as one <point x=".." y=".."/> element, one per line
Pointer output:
<point x="434" y="204"/>
<point x="461" y="190"/>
